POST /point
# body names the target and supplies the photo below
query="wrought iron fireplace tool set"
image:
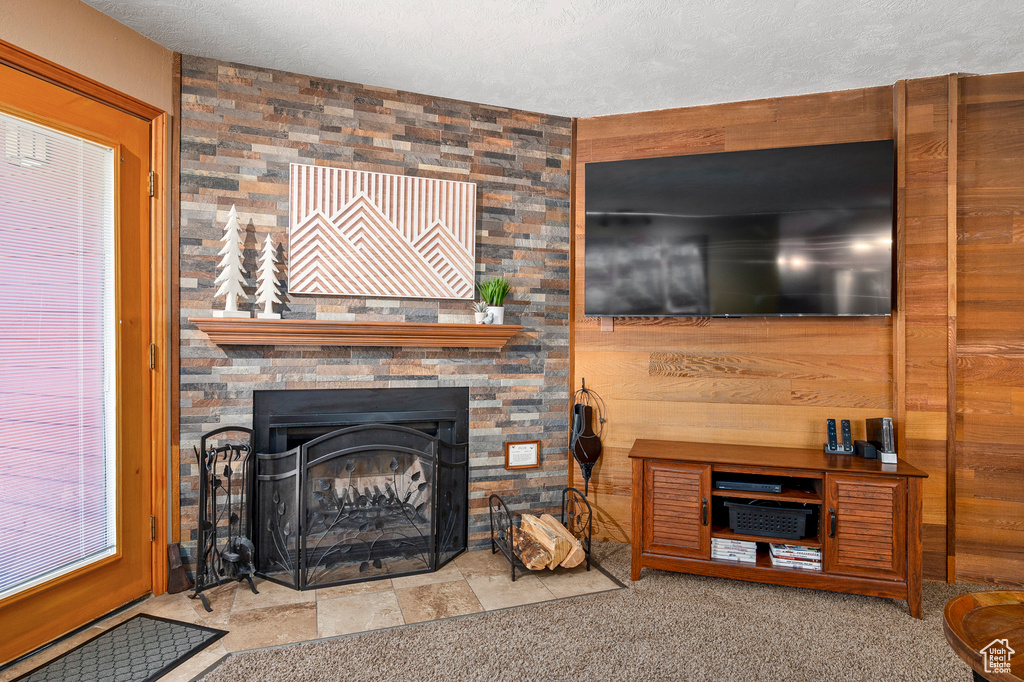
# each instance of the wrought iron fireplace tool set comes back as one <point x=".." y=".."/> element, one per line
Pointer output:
<point x="225" y="550"/>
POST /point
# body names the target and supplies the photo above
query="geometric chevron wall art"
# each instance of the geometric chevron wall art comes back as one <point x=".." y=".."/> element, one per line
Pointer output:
<point x="356" y="233"/>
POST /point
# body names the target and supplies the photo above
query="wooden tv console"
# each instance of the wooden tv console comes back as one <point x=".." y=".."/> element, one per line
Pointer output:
<point x="868" y="520"/>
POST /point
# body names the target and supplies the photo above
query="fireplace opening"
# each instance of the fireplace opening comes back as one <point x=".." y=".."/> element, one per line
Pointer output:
<point x="359" y="484"/>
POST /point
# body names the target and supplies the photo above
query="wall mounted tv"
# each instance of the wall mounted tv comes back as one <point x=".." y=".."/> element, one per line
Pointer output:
<point x="793" y="231"/>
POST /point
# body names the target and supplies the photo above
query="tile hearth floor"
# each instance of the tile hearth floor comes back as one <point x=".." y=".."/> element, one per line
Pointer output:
<point x="475" y="582"/>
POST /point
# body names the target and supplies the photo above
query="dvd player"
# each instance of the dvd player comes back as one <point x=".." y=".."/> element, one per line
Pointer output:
<point x="753" y="486"/>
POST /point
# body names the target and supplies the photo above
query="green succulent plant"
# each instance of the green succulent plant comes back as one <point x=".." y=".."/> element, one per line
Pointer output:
<point x="494" y="290"/>
<point x="480" y="306"/>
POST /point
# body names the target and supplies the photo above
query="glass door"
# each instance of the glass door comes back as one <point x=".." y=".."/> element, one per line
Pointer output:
<point x="75" y="422"/>
<point x="58" y="440"/>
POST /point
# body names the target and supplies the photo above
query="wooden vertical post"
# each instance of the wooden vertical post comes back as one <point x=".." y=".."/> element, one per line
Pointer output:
<point x="951" y="314"/>
<point x="899" y="320"/>
<point x="573" y="199"/>
<point x="159" y="374"/>
<point x="174" y="312"/>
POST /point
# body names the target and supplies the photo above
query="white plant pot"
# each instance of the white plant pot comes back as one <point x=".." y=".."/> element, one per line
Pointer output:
<point x="479" y="317"/>
<point x="498" y="312"/>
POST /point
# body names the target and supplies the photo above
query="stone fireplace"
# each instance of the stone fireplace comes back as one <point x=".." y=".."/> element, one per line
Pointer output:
<point x="241" y="127"/>
<point x="359" y="484"/>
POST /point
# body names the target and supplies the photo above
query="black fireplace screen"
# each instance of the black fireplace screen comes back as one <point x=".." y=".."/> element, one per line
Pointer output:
<point x="362" y="502"/>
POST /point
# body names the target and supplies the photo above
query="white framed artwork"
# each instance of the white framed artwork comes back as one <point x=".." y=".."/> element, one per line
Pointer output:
<point x="358" y="233"/>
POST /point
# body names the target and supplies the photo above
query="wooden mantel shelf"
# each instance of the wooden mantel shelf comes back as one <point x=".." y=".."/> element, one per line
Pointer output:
<point x="256" y="332"/>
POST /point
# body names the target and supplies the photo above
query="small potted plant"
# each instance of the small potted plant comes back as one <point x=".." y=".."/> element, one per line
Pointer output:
<point x="480" y="312"/>
<point x="494" y="291"/>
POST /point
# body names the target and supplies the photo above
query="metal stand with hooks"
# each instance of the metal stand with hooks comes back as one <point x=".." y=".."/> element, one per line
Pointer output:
<point x="584" y="442"/>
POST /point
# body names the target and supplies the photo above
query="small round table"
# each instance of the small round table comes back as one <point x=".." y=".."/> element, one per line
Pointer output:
<point x="988" y="625"/>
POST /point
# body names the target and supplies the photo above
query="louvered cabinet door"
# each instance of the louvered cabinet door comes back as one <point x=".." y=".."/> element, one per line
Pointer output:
<point x="677" y="509"/>
<point x="865" y="526"/>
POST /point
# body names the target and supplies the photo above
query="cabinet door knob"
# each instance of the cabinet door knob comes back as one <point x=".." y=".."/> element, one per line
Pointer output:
<point x="832" y="523"/>
<point x="704" y="511"/>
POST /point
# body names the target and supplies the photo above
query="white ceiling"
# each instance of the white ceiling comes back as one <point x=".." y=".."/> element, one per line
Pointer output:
<point x="591" y="57"/>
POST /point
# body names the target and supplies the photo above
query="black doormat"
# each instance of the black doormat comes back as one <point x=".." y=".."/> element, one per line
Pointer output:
<point x="141" y="649"/>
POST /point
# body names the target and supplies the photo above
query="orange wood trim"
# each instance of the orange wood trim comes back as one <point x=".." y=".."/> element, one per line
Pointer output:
<point x="899" y="316"/>
<point x="175" y="307"/>
<point x="952" y="133"/>
<point x="256" y="332"/>
<point x="571" y="468"/>
<point x="34" y="65"/>
<point x="159" y="375"/>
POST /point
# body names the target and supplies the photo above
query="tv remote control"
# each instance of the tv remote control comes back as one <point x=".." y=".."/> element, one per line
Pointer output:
<point x="833" y="441"/>
<point x="847" y="437"/>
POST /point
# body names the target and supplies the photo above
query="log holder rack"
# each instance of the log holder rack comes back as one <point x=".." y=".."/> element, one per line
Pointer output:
<point x="577" y="517"/>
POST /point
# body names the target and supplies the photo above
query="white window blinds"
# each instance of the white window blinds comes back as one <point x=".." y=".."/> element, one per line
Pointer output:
<point x="57" y="354"/>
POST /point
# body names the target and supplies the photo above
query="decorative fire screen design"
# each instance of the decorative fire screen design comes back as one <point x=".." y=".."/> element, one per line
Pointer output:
<point x="362" y="502"/>
<point x="360" y="233"/>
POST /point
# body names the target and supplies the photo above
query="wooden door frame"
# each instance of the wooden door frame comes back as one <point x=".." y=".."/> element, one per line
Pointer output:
<point x="33" y="65"/>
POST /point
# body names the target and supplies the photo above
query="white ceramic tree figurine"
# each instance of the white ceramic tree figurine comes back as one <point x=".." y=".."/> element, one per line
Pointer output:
<point x="267" y="291"/>
<point x="232" y="276"/>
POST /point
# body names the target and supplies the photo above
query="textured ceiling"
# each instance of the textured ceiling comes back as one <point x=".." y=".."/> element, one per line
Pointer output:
<point x="591" y="57"/>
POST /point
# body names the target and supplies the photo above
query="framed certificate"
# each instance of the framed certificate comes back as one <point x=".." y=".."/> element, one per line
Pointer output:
<point x="523" y="454"/>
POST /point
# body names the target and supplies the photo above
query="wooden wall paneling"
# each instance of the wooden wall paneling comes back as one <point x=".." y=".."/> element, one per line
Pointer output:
<point x="922" y="235"/>
<point x="989" y="380"/>
<point x="953" y="107"/>
<point x="899" y="291"/>
<point x="758" y="381"/>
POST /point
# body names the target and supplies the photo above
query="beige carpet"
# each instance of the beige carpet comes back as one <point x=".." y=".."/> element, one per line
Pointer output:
<point x="666" y="626"/>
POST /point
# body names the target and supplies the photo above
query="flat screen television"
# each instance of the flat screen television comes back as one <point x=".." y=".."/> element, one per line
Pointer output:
<point x="792" y="231"/>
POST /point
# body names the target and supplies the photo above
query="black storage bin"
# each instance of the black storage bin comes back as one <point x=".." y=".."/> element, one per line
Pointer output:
<point x="757" y="518"/>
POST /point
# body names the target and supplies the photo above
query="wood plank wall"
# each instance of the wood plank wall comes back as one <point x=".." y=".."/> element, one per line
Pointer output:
<point x="773" y="381"/>
<point x="925" y="159"/>
<point x="990" y="330"/>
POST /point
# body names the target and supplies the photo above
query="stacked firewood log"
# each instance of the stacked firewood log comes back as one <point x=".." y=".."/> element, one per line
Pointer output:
<point x="543" y="542"/>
